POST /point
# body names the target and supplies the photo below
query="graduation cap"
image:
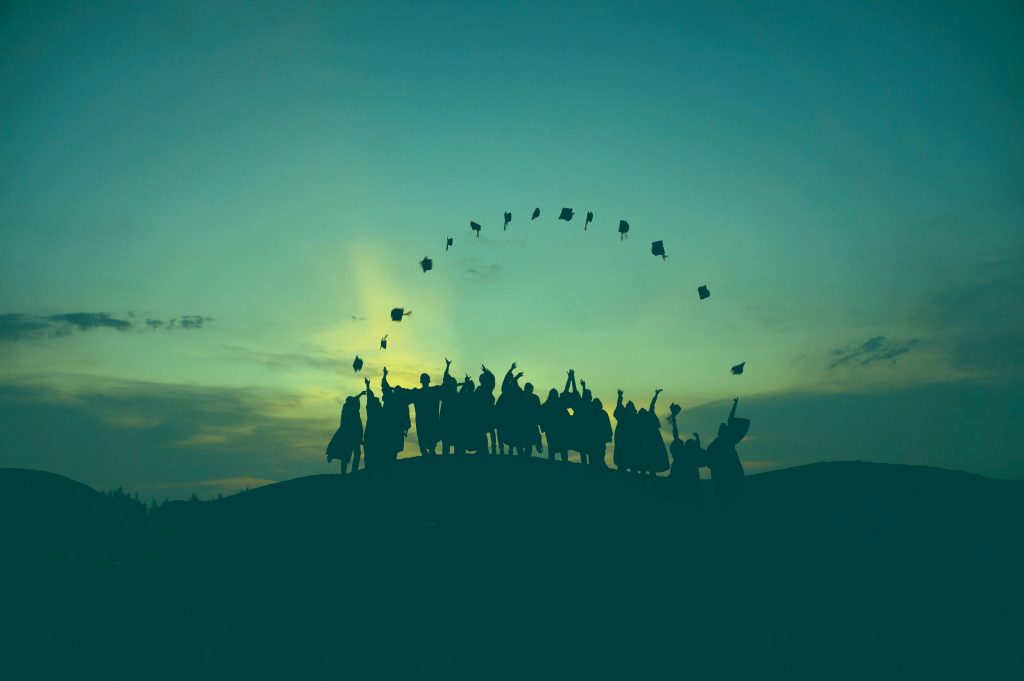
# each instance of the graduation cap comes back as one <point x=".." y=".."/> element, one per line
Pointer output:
<point x="475" y="226"/>
<point x="738" y="369"/>
<point x="566" y="214"/>
<point x="448" y="244"/>
<point x="397" y="313"/>
<point x="703" y="292"/>
<point x="427" y="264"/>
<point x="658" y="248"/>
<point x="623" y="229"/>
<point x="536" y="214"/>
<point x="384" y="342"/>
<point x="590" y="218"/>
<point x="357" y="364"/>
<point x="508" y="219"/>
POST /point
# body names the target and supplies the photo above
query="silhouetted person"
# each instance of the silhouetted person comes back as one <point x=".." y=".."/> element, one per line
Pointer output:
<point x="687" y="458"/>
<point x="528" y="415"/>
<point x="427" y="400"/>
<point x="468" y="430"/>
<point x="346" y="445"/>
<point x="596" y="433"/>
<point x="524" y="415"/>
<point x="726" y="470"/>
<point x="449" y="410"/>
<point x="396" y="419"/>
<point x="570" y="400"/>
<point x="373" y="434"/>
<point x="653" y="457"/>
<point x="554" y="418"/>
<point x="625" y="452"/>
<point x="485" y="410"/>
<point x="508" y="411"/>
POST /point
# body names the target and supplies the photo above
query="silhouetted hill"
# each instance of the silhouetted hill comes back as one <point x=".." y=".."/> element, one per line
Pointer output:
<point x="46" y="510"/>
<point x="487" y="568"/>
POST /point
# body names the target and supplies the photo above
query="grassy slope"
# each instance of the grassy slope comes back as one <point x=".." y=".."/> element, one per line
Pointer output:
<point x="509" y="568"/>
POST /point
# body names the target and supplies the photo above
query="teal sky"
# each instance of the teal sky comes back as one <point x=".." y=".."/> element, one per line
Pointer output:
<point x="846" y="180"/>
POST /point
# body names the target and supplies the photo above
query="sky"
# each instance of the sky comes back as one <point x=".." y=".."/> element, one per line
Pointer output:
<point x="207" y="211"/>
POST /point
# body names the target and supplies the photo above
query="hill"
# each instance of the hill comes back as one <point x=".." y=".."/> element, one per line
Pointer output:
<point x="503" y="568"/>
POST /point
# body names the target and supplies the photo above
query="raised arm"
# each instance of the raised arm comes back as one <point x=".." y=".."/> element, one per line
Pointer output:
<point x="732" y="414"/>
<point x="675" y="427"/>
<point x="384" y="386"/>
<point x="368" y="392"/>
<point x="654" y="399"/>
<point x="509" y="379"/>
<point x="618" y="406"/>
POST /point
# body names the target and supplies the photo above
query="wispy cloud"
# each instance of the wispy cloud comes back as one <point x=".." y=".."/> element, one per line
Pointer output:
<point x="20" y="327"/>
<point x="877" y="349"/>
<point x="287" y="360"/>
<point x="160" y="439"/>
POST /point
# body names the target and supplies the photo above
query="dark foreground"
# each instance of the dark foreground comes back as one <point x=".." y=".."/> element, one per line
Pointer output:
<point x="519" y="569"/>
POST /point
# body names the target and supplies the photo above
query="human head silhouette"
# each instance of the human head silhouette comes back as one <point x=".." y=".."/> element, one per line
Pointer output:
<point x="597" y="404"/>
<point x="424" y="380"/>
<point x="528" y="388"/>
<point x="552" y="394"/>
<point x="631" y="408"/>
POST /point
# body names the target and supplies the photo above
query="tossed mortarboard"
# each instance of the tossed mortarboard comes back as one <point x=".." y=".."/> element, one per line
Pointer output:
<point x="536" y="214"/>
<point x="623" y="229"/>
<point x="566" y="214"/>
<point x="738" y="369"/>
<point x="448" y="244"/>
<point x="703" y="292"/>
<point x="357" y="364"/>
<point x="397" y="313"/>
<point x="384" y="342"/>
<point x="427" y="264"/>
<point x="590" y="218"/>
<point x="508" y="219"/>
<point x="475" y="226"/>
<point x="658" y="248"/>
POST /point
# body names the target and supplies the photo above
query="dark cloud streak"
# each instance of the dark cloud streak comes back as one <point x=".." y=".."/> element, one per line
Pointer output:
<point x="24" y="327"/>
<point x="877" y="349"/>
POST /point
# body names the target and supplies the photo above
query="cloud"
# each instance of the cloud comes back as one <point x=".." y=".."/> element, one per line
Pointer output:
<point x="163" y="440"/>
<point x="978" y="317"/>
<point x="482" y="274"/>
<point x="14" y="327"/>
<point x="964" y="425"/>
<point x="287" y="360"/>
<point x="877" y="349"/>
<point x="20" y="327"/>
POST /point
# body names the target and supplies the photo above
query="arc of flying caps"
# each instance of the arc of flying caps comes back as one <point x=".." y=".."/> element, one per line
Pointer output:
<point x="427" y="264"/>
<point x="448" y="244"/>
<point x="508" y="219"/>
<point x="738" y="369"/>
<point x="536" y="214"/>
<point x="475" y="226"/>
<point x="566" y="214"/>
<point x="384" y="342"/>
<point x="357" y="365"/>
<point x="703" y="292"/>
<point x="397" y="313"/>
<point x="623" y="229"/>
<point x="658" y="248"/>
<point x="590" y="218"/>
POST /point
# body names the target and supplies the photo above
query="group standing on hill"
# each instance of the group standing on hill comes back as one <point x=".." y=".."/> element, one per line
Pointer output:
<point x="466" y="418"/>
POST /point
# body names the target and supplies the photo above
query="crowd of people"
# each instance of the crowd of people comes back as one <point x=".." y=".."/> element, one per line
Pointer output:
<point x="466" y="417"/>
